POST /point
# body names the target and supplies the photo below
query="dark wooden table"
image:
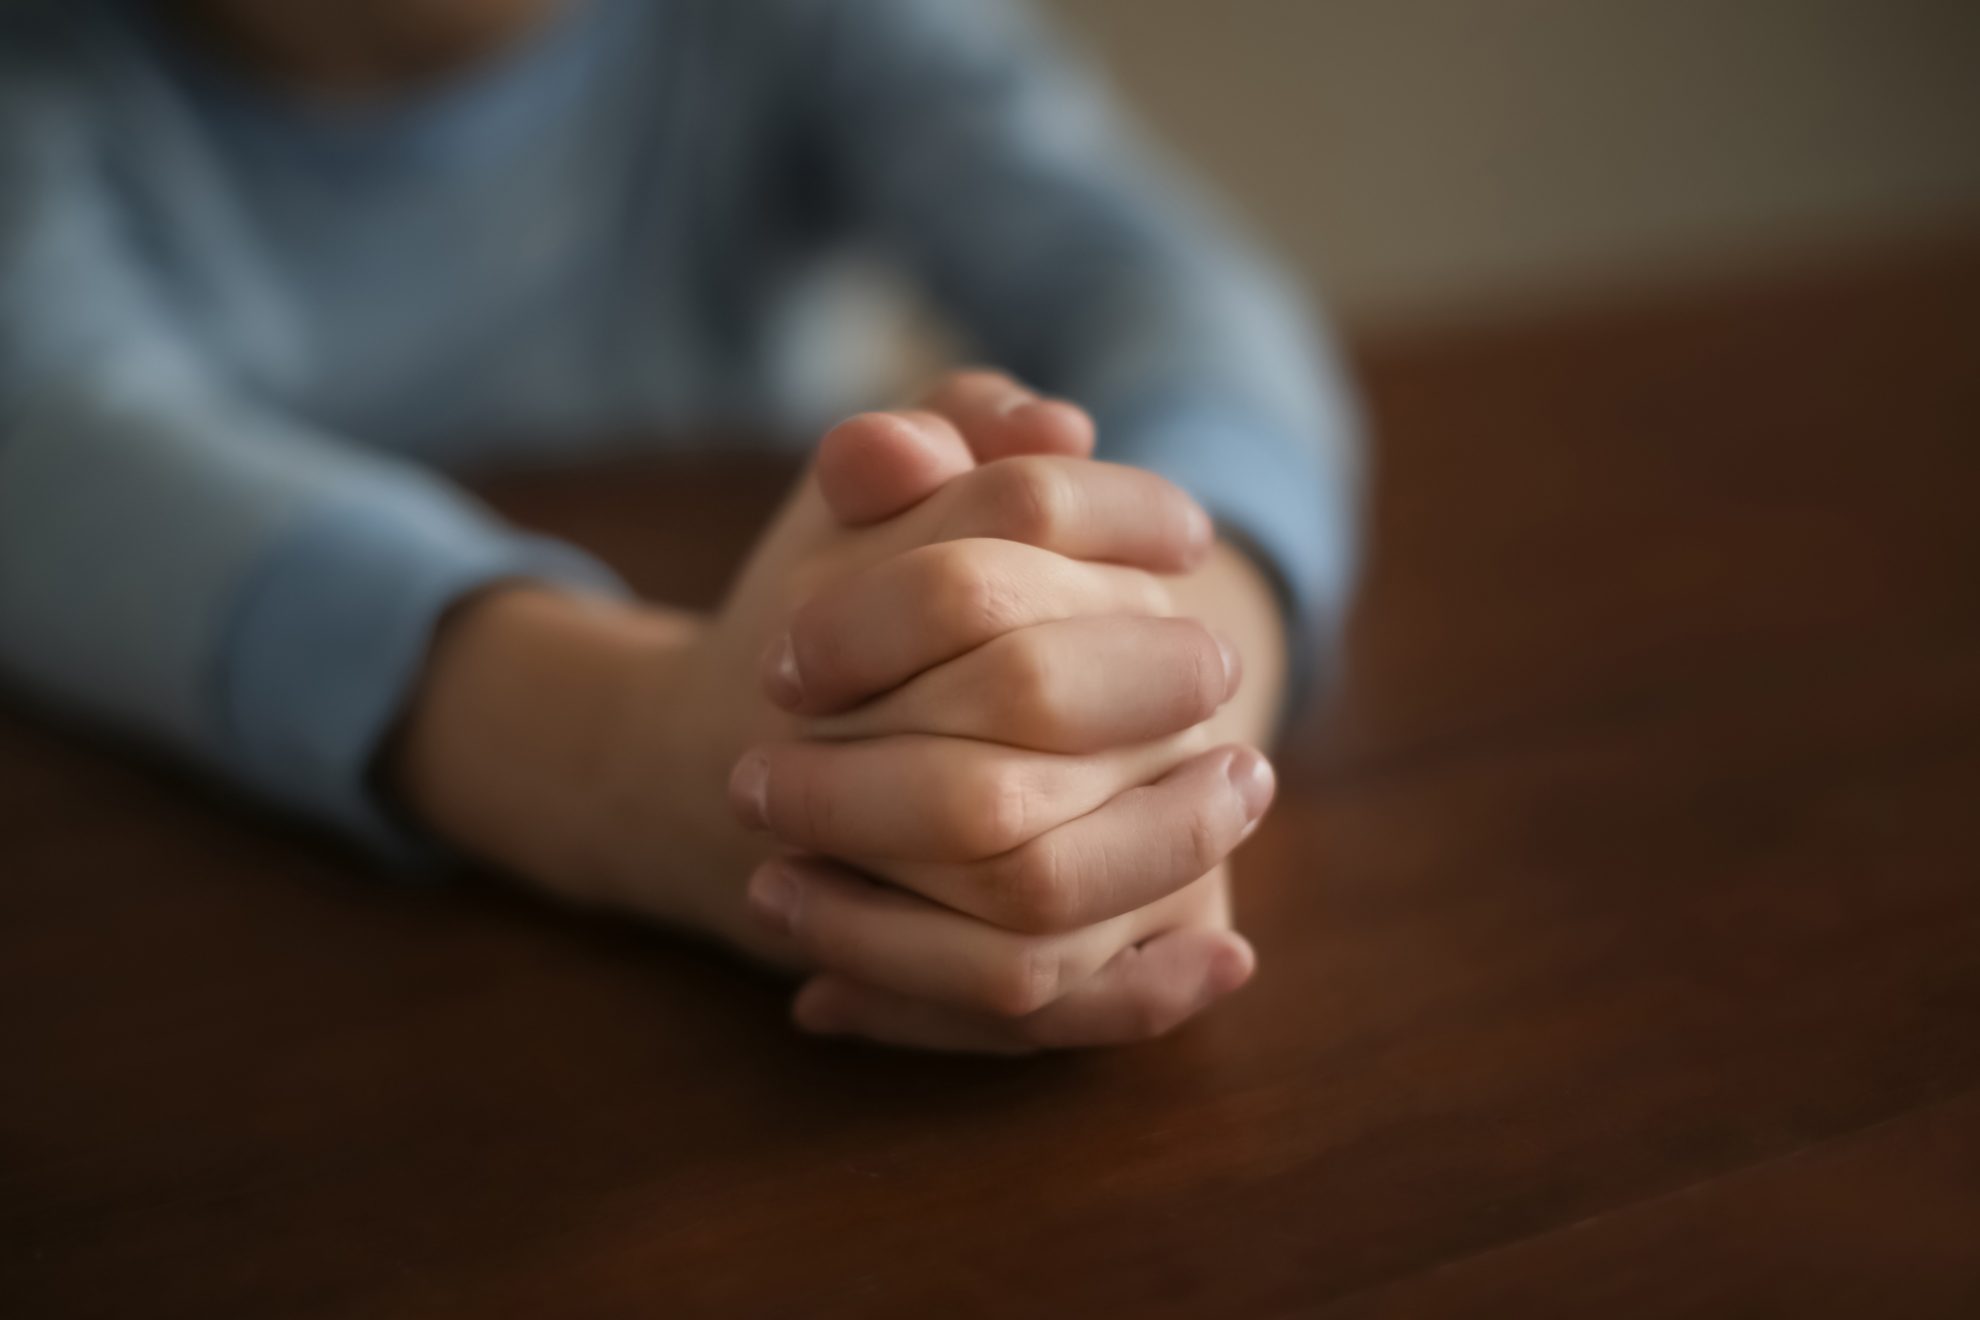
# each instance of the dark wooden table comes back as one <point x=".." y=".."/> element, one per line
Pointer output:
<point x="1620" y="930"/>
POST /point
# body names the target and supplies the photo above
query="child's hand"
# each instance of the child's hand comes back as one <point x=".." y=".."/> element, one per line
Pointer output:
<point x="1030" y="785"/>
<point x="586" y="745"/>
<point x="1036" y="793"/>
<point x="1102" y="928"/>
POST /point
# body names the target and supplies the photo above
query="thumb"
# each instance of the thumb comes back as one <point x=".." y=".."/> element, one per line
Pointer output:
<point x="877" y="465"/>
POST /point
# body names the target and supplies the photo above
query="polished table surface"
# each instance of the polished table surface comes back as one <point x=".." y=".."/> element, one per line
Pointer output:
<point x="1619" y="927"/>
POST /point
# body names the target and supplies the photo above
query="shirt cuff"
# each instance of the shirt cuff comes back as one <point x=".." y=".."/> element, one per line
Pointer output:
<point x="328" y="635"/>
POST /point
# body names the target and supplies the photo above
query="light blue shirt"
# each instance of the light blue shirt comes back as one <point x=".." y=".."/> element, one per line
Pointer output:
<point x="242" y="336"/>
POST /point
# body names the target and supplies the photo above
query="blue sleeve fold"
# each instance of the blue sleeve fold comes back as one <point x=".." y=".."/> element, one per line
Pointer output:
<point x="323" y="641"/>
<point x="256" y="596"/>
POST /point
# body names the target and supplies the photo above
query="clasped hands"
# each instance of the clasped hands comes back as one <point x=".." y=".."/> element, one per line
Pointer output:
<point x="958" y="747"/>
<point x="1002" y="809"/>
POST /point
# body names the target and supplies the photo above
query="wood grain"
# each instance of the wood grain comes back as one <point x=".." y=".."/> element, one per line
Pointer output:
<point x="1811" y="1233"/>
<point x="1620" y="928"/>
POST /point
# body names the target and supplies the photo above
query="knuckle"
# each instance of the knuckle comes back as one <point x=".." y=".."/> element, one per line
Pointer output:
<point x="1028" y="499"/>
<point x="981" y="809"/>
<point x="995" y="811"/>
<point x="1030" y="686"/>
<point x="970" y="597"/>
<point x="1036" y="890"/>
<point x="1024" y="982"/>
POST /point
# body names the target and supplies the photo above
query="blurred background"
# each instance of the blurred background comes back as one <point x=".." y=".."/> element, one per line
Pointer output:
<point x="1429" y="161"/>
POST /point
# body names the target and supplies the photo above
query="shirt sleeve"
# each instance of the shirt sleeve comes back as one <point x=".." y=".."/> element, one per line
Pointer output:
<point x="1077" y="256"/>
<point x="185" y="563"/>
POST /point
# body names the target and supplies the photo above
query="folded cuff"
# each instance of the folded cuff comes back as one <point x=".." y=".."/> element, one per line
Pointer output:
<point x="328" y="635"/>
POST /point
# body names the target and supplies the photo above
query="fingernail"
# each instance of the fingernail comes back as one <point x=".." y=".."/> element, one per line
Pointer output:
<point x="1251" y="775"/>
<point x="781" y="680"/>
<point x="1233" y="665"/>
<point x="749" y="791"/>
<point x="773" y="895"/>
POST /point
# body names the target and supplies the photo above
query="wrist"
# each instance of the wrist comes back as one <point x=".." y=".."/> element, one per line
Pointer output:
<point x="512" y="744"/>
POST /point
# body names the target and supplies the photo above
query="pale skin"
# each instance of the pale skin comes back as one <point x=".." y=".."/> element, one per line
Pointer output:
<point x="968" y="747"/>
<point x="1062" y="882"/>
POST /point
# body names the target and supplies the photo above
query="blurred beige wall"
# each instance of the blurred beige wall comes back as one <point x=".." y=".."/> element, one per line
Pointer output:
<point x="1435" y="158"/>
